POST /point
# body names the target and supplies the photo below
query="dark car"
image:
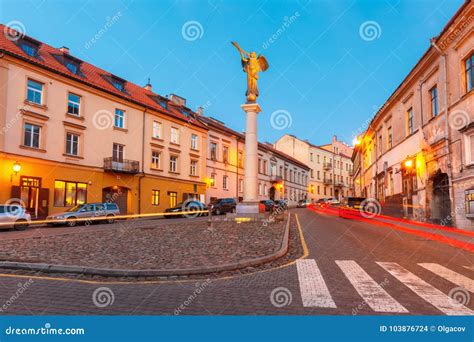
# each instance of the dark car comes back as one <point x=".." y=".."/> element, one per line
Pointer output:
<point x="189" y="207"/>
<point x="321" y="201"/>
<point x="222" y="206"/>
<point x="269" y="204"/>
<point x="351" y="206"/>
<point x="281" y="203"/>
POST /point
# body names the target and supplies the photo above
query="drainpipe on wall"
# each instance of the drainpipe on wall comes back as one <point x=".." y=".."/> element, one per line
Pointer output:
<point x="446" y="126"/>
<point x="143" y="165"/>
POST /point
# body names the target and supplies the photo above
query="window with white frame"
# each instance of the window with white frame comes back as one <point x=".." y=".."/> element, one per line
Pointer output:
<point x="34" y="92"/>
<point x="193" y="168"/>
<point x="174" y="135"/>
<point x="260" y="189"/>
<point x="73" y="104"/>
<point x="157" y="130"/>
<point x="213" y="179"/>
<point x="469" y="142"/>
<point x="155" y="160"/>
<point x="225" y="182"/>
<point x="119" y="118"/>
<point x="264" y="189"/>
<point x="173" y="163"/>
<point x="72" y="144"/>
<point x="194" y="141"/>
<point x="273" y="169"/>
<point x="31" y="135"/>
<point x="117" y="153"/>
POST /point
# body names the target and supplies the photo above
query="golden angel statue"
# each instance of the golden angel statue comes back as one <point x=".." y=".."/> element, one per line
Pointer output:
<point x="252" y="65"/>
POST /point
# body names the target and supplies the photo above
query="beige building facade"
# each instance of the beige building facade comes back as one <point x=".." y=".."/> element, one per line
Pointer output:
<point x="73" y="133"/>
<point x="415" y="156"/>
<point x="330" y="166"/>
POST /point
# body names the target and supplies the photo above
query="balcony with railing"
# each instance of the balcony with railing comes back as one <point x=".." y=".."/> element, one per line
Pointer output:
<point x="123" y="166"/>
<point x="275" y="178"/>
<point x="327" y="166"/>
<point x="327" y="181"/>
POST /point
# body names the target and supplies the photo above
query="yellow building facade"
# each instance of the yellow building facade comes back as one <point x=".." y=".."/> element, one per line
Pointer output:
<point x="73" y="133"/>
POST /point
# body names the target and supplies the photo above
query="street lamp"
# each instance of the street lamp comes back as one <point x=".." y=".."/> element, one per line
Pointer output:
<point x="408" y="163"/>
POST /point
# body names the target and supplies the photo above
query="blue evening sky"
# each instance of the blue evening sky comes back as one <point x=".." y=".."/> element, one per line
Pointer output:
<point x="324" y="72"/>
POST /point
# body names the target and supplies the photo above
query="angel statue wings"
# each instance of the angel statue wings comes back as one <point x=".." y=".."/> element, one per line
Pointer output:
<point x="252" y="65"/>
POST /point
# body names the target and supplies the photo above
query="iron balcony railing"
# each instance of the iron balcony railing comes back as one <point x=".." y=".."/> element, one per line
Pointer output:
<point x="124" y="165"/>
<point x="327" y="181"/>
<point x="275" y="178"/>
<point x="327" y="166"/>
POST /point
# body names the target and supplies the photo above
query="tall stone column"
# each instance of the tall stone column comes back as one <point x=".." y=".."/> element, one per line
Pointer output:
<point x="250" y="202"/>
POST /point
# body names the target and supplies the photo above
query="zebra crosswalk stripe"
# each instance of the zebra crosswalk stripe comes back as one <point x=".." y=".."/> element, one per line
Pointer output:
<point x="314" y="292"/>
<point x="372" y="293"/>
<point x="429" y="293"/>
<point x="450" y="275"/>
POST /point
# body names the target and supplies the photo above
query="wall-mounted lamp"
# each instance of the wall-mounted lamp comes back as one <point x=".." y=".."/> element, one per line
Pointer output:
<point x="16" y="168"/>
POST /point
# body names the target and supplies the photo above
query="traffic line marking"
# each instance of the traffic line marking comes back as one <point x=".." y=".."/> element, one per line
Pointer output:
<point x="429" y="293"/>
<point x="371" y="292"/>
<point x="450" y="275"/>
<point x="314" y="292"/>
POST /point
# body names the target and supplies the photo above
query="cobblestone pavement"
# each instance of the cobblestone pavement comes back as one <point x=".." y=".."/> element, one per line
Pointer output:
<point x="351" y="268"/>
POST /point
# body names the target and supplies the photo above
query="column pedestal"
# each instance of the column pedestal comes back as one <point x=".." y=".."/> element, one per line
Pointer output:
<point x="249" y="206"/>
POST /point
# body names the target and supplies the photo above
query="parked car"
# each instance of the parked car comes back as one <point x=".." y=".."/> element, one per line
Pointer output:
<point x="281" y="203"/>
<point x="269" y="204"/>
<point x="186" y="206"/>
<point x="350" y="206"/>
<point x="87" y="212"/>
<point x="303" y="203"/>
<point x="14" y="216"/>
<point x="332" y="201"/>
<point x="222" y="206"/>
<point x="320" y="202"/>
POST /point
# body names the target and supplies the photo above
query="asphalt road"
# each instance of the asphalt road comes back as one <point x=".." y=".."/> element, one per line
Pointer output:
<point x="352" y="268"/>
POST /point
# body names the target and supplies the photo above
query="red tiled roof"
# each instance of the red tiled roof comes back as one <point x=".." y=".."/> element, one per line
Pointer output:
<point x="90" y="75"/>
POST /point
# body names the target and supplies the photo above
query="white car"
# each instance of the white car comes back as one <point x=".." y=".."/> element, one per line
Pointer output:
<point x="13" y="215"/>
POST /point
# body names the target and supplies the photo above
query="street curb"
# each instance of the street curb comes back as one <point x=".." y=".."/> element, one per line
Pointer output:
<point x="109" y="272"/>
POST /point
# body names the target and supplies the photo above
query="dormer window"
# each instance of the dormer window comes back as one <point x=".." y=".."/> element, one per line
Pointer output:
<point x="29" y="47"/>
<point x="159" y="100"/>
<point x="184" y="112"/>
<point x="72" y="66"/>
<point x="118" y="84"/>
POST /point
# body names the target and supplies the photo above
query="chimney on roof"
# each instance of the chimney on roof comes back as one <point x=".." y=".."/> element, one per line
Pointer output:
<point x="180" y="101"/>
<point x="148" y="85"/>
<point x="64" y="50"/>
<point x="199" y="111"/>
